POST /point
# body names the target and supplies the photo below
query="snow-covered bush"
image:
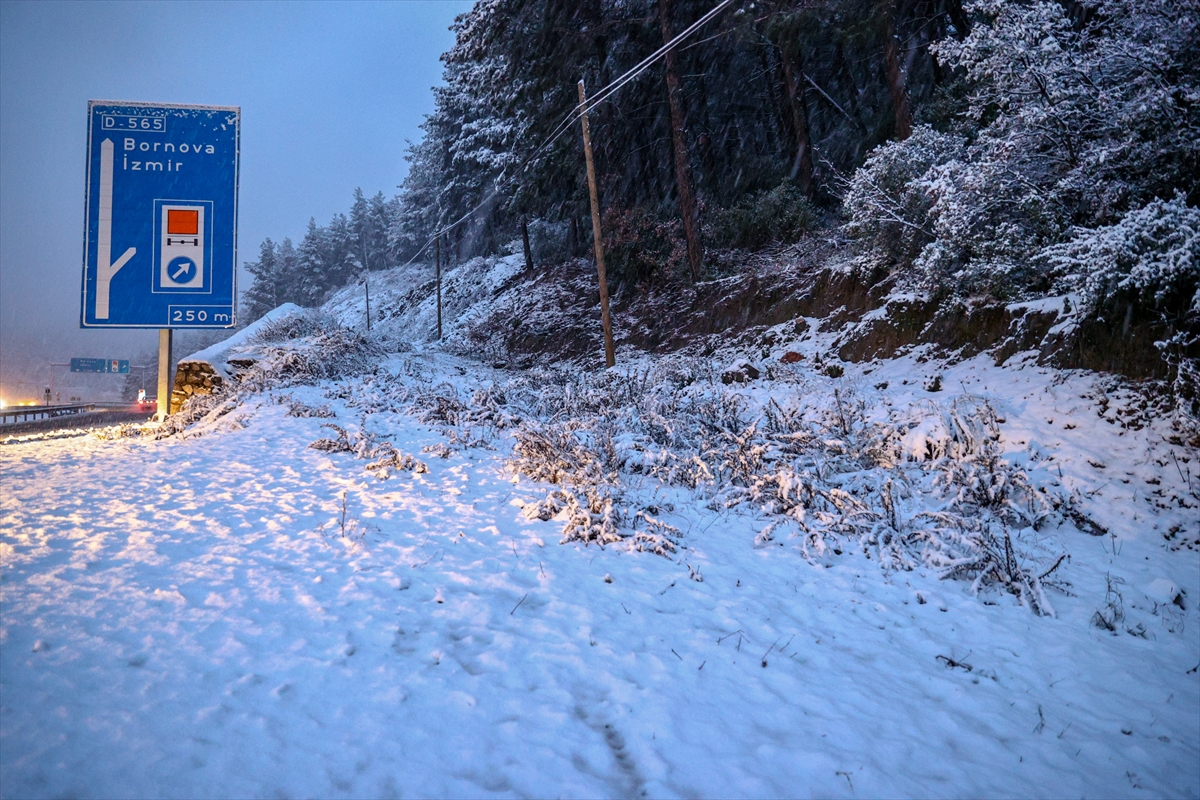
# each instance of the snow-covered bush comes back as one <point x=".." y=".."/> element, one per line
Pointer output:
<point x="1067" y="123"/>
<point x="1099" y="111"/>
<point x="558" y="453"/>
<point x="383" y="455"/>
<point x="327" y="355"/>
<point x="888" y="198"/>
<point x="582" y="459"/>
<point x="1153" y="252"/>
<point x="983" y="551"/>
<point x="1151" y="257"/>
<point x="198" y="411"/>
<point x="298" y="409"/>
<point x="927" y="491"/>
<point x="310" y="322"/>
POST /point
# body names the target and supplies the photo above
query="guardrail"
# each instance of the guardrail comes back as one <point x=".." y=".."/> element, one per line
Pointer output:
<point x="18" y="414"/>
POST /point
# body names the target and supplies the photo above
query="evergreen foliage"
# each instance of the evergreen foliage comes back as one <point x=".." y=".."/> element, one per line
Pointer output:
<point x="328" y="257"/>
<point x="1006" y="148"/>
<point x="1069" y="122"/>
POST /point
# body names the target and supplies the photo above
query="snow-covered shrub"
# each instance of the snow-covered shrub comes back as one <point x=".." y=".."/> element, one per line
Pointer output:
<point x="594" y="521"/>
<point x="197" y="411"/>
<point x="328" y="355"/>
<point x="965" y="429"/>
<point x="1098" y="113"/>
<point x="598" y="515"/>
<point x="1180" y="352"/>
<point x="1152" y="257"/>
<point x="293" y="326"/>
<point x="298" y="409"/>
<point x="383" y="455"/>
<point x="888" y="198"/>
<point x="1153" y="252"/>
<point x="986" y="481"/>
<point x="125" y="430"/>
<point x="931" y="490"/>
<point x="439" y="404"/>
<point x="982" y="550"/>
<point x="557" y="453"/>
<point x="1065" y="125"/>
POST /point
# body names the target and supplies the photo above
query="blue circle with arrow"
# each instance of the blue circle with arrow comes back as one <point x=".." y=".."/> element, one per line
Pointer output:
<point x="181" y="269"/>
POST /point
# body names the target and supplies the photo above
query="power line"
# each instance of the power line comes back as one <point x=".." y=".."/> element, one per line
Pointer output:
<point x="574" y="115"/>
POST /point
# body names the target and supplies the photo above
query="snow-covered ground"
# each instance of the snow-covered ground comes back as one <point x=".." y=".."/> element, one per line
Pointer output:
<point x="229" y="612"/>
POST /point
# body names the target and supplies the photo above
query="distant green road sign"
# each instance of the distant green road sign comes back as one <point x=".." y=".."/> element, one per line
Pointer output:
<point x="116" y="366"/>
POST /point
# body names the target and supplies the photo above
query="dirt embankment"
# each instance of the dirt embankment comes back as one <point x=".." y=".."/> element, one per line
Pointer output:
<point x="555" y="314"/>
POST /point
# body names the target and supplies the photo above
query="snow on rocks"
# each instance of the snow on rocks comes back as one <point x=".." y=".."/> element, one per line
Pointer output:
<point x="218" y="356"/>
<point x="207" y="370"/>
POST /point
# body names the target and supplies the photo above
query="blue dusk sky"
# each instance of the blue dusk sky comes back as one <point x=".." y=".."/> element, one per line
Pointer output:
<point x="329" y="93"/>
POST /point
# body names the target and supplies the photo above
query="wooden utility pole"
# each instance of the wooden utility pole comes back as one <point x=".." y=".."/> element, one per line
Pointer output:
<point x="438" y="262"/>
<point x="367" y="287"/>
<point x="683" y="159"/>
<point x="610" y="358"/>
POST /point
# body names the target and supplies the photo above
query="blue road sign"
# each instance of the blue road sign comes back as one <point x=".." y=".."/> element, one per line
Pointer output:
<point x="117" y="366"/>
<point x="160" y="242"/>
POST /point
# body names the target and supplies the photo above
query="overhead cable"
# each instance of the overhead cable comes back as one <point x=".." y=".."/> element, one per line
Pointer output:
<point x="573" y="116"/>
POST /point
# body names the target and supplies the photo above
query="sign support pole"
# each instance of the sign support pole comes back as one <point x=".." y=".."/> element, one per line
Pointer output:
<point x="165" y="379"/>
<point x="610" y="358"/>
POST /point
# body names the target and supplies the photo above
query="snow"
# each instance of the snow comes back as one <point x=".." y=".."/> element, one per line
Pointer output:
<point x="1046" y="305"/>
<point x="217" y="355"/>
<point x="237" y="614"/>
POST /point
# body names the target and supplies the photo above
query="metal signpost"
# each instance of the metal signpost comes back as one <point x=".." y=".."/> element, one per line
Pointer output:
<point x="160" y="239"/>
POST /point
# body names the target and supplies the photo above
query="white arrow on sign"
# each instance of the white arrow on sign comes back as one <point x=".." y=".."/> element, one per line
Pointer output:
<point x="106" y="268"/>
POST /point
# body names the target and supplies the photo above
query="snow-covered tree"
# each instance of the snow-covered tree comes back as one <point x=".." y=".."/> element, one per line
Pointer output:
<point x="370" y="221"/>
<point x="1071" y="121"/>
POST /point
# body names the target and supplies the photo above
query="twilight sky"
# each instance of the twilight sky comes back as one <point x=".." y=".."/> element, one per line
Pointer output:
<point x="329" y="93"/>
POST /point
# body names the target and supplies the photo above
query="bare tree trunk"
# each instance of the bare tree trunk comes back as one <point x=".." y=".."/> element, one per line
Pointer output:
<point x="895" y="76"/>
<point x="802" y="165"/>
<point x="683" y="162"/>
<point x="769" y="73"/>
<point x="525" y="242"/>
<point x="962" y="25"/>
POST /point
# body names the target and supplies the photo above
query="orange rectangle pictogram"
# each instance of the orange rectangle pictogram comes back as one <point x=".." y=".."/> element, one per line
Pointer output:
<point x="183" y="221"/>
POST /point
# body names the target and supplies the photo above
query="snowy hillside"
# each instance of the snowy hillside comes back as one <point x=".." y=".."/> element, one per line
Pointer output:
<point x="375" y="565"/>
